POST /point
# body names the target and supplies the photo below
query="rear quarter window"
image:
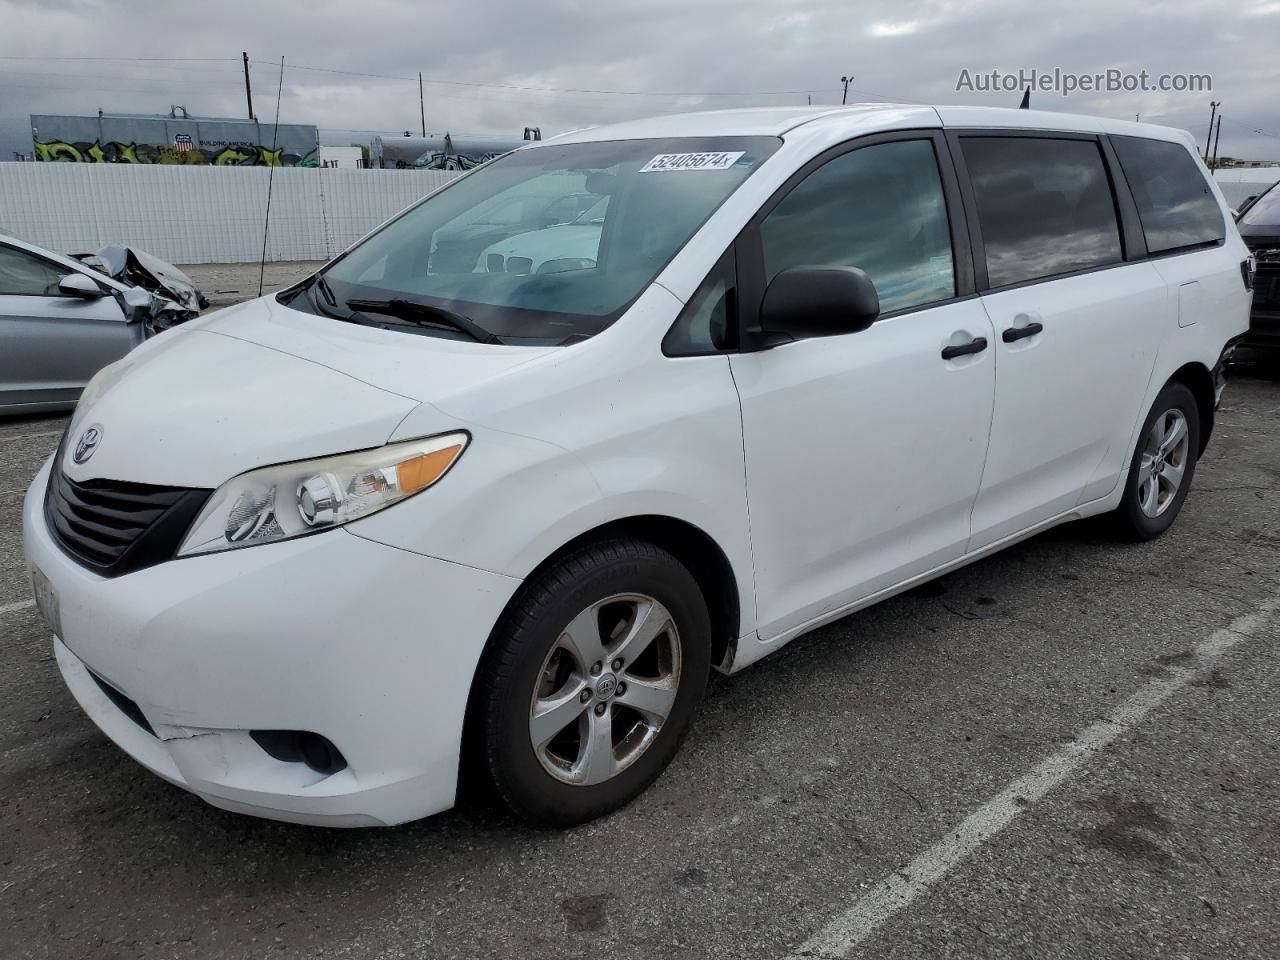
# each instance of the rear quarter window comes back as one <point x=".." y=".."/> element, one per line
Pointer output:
<point x="1175" y="203"/>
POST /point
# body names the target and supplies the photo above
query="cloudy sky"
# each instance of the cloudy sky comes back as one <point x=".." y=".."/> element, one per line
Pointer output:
<point x="491" y="68"/>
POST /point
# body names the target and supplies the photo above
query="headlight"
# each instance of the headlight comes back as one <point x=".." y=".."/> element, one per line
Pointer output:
<point x="276" y="503"/>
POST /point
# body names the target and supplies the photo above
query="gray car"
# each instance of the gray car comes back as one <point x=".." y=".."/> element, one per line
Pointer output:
<point x="61" y="321"/>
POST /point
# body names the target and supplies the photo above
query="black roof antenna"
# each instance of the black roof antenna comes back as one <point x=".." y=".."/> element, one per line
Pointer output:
<point x="1026" y="100"/>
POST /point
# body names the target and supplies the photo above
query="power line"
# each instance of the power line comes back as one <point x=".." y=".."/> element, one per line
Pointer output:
<point x="532" y="89"/>
<point x="525" y="88"/>
<point x="134" y="59"/>
<point x="184" y="80"/>
<point x="1251" y="129"/>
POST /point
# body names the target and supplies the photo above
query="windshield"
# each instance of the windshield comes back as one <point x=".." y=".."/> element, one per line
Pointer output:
<point x="1265" y="211"/>
<point x="549" y="245"/>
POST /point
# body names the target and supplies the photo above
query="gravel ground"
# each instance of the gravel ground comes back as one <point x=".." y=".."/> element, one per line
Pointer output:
<point x="229" y="283"/>
<point x="808" y="782"/>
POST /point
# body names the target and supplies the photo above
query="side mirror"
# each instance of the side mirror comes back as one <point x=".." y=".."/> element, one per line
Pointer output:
<point x="819" y="302"/>
<point x="79" y="285"/>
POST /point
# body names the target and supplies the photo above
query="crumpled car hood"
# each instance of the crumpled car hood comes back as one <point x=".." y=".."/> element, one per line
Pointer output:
<point x="141" y="269"/>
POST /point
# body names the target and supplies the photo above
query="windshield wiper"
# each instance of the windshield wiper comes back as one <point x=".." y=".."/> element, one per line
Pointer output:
<point x="323" y="286"/>
<point x="425" y="315"/>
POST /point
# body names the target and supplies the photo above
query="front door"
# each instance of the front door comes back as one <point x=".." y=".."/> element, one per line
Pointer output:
<point x="864" y="452"/>
<point x="53" y="343"/>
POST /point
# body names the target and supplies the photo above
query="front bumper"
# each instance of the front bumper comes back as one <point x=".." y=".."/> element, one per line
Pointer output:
<point x="370" y="646"/>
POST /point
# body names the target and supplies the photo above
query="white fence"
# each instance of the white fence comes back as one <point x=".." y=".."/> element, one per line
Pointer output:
<point x="203" y="214"/>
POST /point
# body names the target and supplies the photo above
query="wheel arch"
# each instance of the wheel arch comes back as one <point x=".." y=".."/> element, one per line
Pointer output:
<point x="689" y="544"/>
<point x="692" y="546"/>
<point x="1196" y="377"/>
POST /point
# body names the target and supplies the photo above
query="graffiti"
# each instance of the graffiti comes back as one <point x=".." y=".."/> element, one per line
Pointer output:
<point x="112" y="151"/>
<point x="452" y="161"/>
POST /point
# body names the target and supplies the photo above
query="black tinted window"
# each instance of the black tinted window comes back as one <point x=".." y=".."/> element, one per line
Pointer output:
<point x="705" y="323"/>
<point x="880" y="208"/>
<point x="1175" y="204"/>
<point x="1045" y="206"/>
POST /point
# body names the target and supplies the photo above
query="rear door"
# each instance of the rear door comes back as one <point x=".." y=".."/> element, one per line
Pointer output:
<point x="1077" y="322"/>
<point x="864" y="451"/>
<point x="53" y="343"/>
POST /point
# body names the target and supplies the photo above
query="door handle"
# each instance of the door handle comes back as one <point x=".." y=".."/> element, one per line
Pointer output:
<point x="976" y="345"/>
<point x="1014" y="334"/>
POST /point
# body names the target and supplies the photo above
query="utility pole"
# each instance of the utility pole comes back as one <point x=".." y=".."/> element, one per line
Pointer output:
<point x="846" y="81"/>
<point x="1213" y="109"/>
<point x="1216" y="137"/>
<point x="248" y="92"/>
<point x="422" y="109"/>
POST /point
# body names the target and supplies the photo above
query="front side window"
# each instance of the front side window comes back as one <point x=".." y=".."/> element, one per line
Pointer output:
<point x="1175" y="204"/>
<point x="880" y="208"/>
<point x="1044" y="206"/>
<point x="705" y="325"/>
<point x="26" y="276"/>
<point x="549" y="244"/>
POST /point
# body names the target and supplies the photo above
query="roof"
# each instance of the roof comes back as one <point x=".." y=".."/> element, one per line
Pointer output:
<point x="777" y="121"/>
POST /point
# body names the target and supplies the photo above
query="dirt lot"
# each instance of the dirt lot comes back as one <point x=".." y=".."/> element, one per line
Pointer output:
<point x="229" y="283"/>
<point x="1071" y="749"/>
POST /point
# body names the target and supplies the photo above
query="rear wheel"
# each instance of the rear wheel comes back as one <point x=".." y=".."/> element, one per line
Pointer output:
<point x="1162" y="466"/>
<point x="592" y="681"/>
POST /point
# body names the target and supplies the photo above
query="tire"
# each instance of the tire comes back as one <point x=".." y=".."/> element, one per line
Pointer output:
<point x="535" y="674"/>
<point x="1144" y="513"/>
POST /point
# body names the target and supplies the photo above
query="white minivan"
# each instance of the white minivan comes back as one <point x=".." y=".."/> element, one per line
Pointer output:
<point x="462" y="498"/>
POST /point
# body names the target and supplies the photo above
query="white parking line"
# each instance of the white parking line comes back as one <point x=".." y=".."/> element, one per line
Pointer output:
<point x="850" y="928"/>
<point x="14" y="607"/>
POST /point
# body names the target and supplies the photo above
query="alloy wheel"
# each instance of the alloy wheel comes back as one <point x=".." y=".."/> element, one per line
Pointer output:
<point x="1164" y="462"/>
<point x="605" y="689"/>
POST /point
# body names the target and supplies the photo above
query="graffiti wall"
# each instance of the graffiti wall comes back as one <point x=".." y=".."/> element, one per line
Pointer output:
<point x="437" y="153"/>
<point x="176" y="141"/>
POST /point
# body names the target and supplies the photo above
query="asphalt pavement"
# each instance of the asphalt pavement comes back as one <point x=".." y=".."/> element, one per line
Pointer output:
<point x="1071" y="749"/>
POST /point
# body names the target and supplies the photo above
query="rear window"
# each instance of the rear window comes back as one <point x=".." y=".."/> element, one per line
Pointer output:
<point x="1175" y="204"/>
<point x="1044" y="205"/>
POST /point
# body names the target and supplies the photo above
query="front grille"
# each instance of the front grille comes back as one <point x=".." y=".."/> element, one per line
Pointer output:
<point x="1266" y="285"/>
<point x="114" y="527"/>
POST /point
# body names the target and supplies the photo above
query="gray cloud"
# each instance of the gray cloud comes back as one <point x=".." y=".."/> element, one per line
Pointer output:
<point x="671" y="56"/>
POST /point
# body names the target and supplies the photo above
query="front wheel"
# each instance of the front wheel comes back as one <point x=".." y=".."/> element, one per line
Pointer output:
<point x="591" y="681"/>
<point x="1162" y="466"/>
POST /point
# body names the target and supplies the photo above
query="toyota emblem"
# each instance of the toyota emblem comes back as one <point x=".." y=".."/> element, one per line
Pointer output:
<point x="87" y="443"/>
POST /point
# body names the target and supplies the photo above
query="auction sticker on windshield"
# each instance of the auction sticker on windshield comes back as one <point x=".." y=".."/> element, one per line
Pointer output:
<point x="691" y="161"/>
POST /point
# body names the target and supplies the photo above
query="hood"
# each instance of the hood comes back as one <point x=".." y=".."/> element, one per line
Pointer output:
<point x="421" y="366"/>
<point x="570" y="241"/>
<point x="193" y="408"/>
